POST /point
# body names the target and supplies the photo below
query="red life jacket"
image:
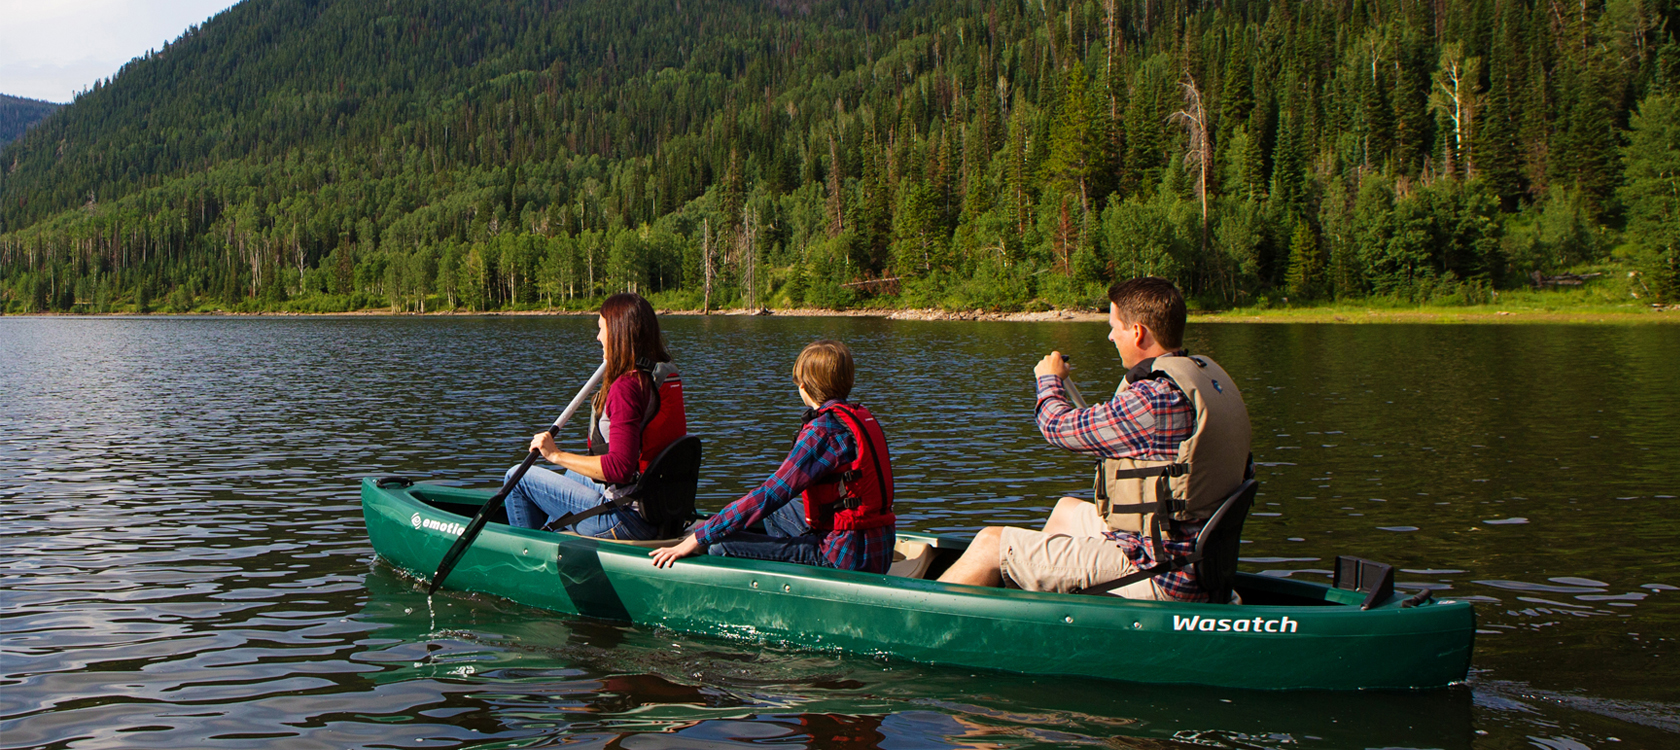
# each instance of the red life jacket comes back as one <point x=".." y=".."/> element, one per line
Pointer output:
<point x="858" y="496"/>
<point x="667" y="420"/>
<point x="663" y="421"/>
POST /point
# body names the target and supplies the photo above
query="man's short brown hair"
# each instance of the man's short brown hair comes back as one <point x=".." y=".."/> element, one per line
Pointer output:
<point x="824" y="370"/>
<point x="1154" y="302"/>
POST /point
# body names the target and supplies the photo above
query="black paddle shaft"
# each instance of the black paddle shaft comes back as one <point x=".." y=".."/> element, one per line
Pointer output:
<point x="465" y="540"/>
<point x="467" y="536"/>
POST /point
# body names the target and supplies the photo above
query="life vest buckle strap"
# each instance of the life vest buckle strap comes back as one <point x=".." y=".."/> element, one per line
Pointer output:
<point x="1169" y="470"/>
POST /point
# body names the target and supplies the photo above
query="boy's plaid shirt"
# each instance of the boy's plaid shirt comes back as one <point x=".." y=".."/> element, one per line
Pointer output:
<point x="823" y="447"/>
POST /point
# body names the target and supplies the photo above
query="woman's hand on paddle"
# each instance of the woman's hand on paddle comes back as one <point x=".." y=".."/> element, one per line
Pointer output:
<point x="664" y="557"/>
<point x="543" y="443"/>
<point x="1052" y="364"/>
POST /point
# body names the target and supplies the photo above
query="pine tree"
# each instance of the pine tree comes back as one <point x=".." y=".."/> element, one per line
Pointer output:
<point x="1306" y="266"/>
<point x="1289" y="178"/>
<point x="1412" y="132"/>
<point x="1236" y="92"/>
<point x="1584" y="149"/>
<point x="1498" y="151"/>
<point x="1651" y="193"/>
<point x="1073" y="144"/>
<point x="1376" y="115"/>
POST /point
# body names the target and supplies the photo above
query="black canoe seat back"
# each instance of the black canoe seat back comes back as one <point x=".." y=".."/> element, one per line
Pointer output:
<point x="666" y="490"/>
<point x="1215" y="554"/>
<point x="664" y="493"/>
<point x="1217" y="545"/>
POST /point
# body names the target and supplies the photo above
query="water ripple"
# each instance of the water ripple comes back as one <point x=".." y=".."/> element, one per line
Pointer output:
<point x="183" y="560"/>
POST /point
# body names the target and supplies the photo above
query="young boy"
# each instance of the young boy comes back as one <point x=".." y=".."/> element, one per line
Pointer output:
<point x="830" y="503"/>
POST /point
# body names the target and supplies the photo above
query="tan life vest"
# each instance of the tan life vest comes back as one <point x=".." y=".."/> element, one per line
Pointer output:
<point x="1210" y="463"/>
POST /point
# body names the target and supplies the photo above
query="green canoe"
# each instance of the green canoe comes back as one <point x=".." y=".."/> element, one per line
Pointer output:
<point x="1286" y="635"/>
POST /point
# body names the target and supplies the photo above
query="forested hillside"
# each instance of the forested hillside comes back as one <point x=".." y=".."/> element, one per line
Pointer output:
<point x="418" y="155"/>
<point x="18" y="113"/>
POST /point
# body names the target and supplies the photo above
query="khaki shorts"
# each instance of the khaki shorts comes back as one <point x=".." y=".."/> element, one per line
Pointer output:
<point x="1036" y="561"/>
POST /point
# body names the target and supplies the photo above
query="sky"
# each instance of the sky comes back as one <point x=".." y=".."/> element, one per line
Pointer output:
<point x="51" y="49"/>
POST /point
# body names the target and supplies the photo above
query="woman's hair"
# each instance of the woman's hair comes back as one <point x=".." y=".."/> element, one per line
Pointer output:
<point x="824" y="370"/>
<point x="632" y="336"/>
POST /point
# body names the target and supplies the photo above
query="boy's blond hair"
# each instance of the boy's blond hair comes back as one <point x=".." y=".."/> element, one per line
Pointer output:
<point x="824" y="370"/>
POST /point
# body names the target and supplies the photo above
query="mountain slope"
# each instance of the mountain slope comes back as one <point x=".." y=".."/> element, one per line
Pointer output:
<point x="331" y="154"/>
<point x="17" y="114"/>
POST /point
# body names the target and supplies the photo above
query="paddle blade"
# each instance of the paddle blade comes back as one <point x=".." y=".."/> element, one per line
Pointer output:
<point x="467" y="536"/>
<point x="465" y="540"/>
<point x="462" y="542"/>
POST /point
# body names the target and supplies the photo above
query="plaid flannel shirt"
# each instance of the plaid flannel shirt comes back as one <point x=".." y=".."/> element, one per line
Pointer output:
<point x="1146" y="421"/>
<point x="824" y="446"/>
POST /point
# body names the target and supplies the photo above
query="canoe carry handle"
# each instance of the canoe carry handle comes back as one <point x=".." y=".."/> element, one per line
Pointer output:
<point x="1418" y="599"/>
<point x="389" y="482"/>
<point x="1358" y="574"/>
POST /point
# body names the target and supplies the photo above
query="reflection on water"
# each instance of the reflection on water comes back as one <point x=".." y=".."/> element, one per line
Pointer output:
<point x="184" y="563"/>
<point x="547" y="675"/>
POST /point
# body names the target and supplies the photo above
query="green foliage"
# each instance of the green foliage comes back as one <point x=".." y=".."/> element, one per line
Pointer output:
<point x="451" y="155"/>
<point x="1651" y="193"/>
<point x="1142" y="240"/>
<point x="1560" y="234"/>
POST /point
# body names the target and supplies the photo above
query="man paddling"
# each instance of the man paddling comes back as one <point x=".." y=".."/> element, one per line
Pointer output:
<point x="1174" y="443"/>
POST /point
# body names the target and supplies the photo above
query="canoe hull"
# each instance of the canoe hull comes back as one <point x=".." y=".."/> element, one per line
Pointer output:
<point x="1329" y="646"/>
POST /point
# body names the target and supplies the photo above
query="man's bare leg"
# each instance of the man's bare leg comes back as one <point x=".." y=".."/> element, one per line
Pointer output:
<point x="978" y="565"/>
<point x="1062" y="516"/>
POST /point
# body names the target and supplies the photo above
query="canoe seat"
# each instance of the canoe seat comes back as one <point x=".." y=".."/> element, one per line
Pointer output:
<point x="665" y="490"/>
<point x="911" y="559"/>
<point x="1215" y="555"/>
<point x="1216" y="552"/>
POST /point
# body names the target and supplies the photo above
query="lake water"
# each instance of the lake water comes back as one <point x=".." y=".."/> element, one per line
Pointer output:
<point x="184" y="562"/>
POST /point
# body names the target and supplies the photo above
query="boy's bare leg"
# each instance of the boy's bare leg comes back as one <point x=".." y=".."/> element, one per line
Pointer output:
<point x="978" y="565"/>
<point x="1062" y="517"/>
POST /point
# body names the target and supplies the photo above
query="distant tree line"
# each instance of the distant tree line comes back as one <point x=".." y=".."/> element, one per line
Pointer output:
<point x="501" y="154"/>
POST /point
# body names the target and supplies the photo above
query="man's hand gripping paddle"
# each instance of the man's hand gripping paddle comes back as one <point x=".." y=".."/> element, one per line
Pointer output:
<point x="1073" y="390"/>
<point x="466" y="539"/>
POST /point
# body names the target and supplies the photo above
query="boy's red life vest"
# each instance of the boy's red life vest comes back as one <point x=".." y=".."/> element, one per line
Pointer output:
<point x="663" y="421"/>
<point x="858" y="496"/>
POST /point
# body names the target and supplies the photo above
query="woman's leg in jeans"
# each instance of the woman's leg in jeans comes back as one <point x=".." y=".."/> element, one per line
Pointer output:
<point x="618" y="523"/>
<point x="799" y="549"/>
<point x="544" y="495"/>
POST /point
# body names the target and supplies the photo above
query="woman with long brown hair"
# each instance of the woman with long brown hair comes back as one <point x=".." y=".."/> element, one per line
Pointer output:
<point x="637" y="413"/>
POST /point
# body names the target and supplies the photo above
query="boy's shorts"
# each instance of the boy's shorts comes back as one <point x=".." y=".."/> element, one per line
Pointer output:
<point x="1036" y="561"/>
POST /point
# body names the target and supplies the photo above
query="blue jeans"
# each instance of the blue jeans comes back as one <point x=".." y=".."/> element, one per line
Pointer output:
<point x="788" y="520"/>
<point x="789" y="539"/>
<point x="543" y="496"/>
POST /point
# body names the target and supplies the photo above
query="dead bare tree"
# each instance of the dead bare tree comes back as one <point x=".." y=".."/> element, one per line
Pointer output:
<point x="706" y="261"/>
<point x="836" y="203"/>
<point x="1457" y="96"/>
<point x="1200" y="153"/>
